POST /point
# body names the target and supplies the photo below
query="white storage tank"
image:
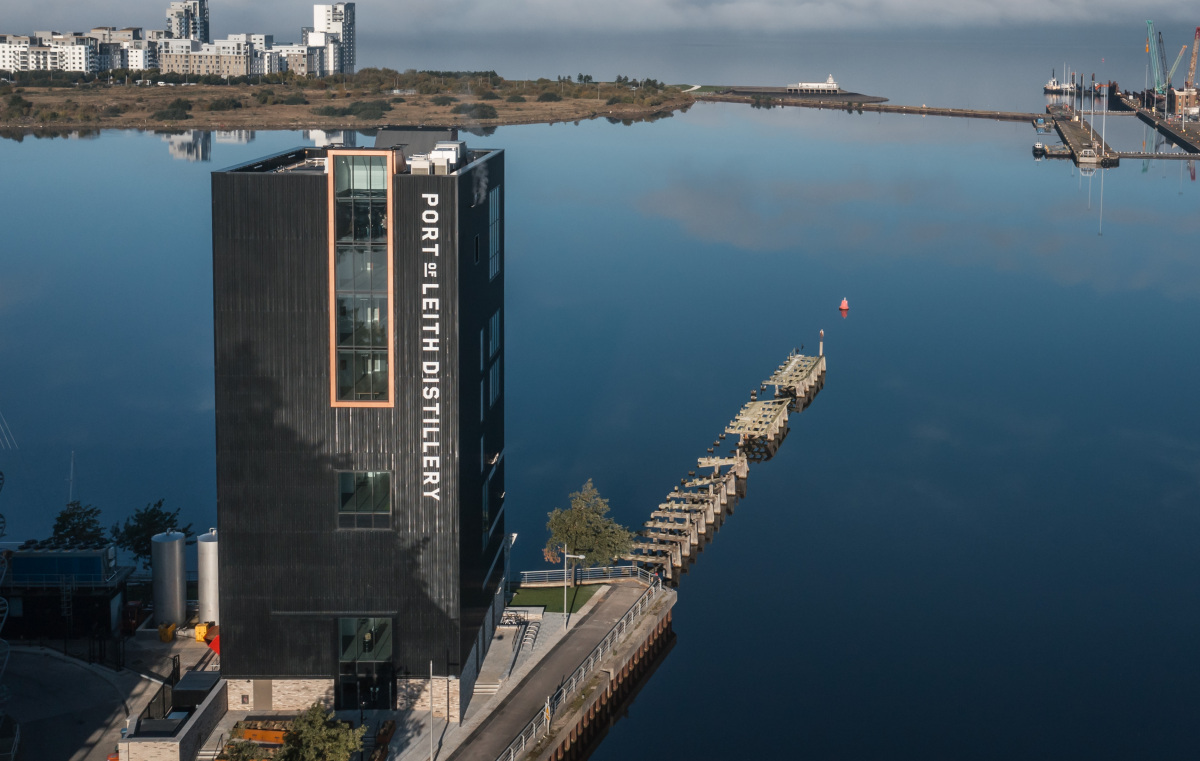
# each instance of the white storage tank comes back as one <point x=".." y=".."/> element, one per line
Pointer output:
<point x="206" y="555"/>
<point x="170" y="583"/>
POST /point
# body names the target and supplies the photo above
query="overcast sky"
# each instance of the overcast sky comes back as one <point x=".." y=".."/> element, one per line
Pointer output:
<point x="283" y="18"/>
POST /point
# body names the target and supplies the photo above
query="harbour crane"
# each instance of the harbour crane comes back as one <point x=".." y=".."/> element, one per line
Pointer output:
<point x="1158" y="59"/>
<point x="1190" y="82"/>
<point x="1175" y="65"/>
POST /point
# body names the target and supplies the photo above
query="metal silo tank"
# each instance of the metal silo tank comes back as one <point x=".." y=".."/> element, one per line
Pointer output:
<point x="170" y="583"/>
<point x="206" y="554"/>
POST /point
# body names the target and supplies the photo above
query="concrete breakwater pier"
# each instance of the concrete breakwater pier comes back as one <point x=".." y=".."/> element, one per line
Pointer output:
<point x="694" y="510"/>
<point x="1085" y="143"/>
<point x="1081" y="142"/>
<point x="870" y="103"/>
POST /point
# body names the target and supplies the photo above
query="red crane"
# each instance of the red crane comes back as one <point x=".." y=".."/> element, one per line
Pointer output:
<point x="1191" y="77"/>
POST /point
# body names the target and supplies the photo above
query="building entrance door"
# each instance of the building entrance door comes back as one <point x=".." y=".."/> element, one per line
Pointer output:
<point x="368" y="685"/>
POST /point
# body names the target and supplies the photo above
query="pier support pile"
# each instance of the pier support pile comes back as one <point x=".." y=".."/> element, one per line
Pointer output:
<point x="694" y="510"/>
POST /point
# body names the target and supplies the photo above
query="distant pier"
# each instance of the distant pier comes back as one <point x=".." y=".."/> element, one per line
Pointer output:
<point x="693" y="511"/>
<point x="1187" y="138"/>
<point x="871" y="103"/>
<point x="1084" y="142"/>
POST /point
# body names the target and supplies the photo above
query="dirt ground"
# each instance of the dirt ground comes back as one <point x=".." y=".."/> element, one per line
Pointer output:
<point x="97" y="107"/>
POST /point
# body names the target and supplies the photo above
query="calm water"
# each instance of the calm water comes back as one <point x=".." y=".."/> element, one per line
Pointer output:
<point x="979" y="542"/>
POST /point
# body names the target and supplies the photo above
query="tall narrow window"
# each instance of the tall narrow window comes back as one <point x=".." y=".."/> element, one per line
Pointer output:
<point x="494" y="334"/>
<point x="494" y="232"/>
<point x="494" y="384"/>
<point x="361" y="275"/>
<point x="487" y="488"/>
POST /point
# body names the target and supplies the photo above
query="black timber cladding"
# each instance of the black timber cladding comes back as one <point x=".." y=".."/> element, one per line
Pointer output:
<point x="286" y="572"/>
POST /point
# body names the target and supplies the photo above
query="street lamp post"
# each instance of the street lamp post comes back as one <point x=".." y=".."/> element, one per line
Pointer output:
<point x="567" y="556"/>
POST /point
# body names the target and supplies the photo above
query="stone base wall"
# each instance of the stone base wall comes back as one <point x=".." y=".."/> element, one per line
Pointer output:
<point x="241" y="694"/>
<point x="286" y="694"/>
<point x="413" y="694"/>
<point x="299" y="694"/>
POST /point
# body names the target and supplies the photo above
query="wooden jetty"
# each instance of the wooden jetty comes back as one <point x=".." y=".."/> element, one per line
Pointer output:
<point x="692" y="512"/>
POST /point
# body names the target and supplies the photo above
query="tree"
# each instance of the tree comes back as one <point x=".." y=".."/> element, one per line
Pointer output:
<point x="244" y="750"/>
<point x="77" y="523"/>
<point x="586" y="529"/>
<point x="135" y="535"/>
<point x="316" y="735"/>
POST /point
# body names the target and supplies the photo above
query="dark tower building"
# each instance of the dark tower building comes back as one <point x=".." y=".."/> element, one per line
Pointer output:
<point x="358" y="308"/>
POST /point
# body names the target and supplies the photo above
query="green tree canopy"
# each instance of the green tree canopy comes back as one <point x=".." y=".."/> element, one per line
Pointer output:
<point x="316" y="735"/>
<point x="135" y="535"/>
<point x="244" y="750"/>
<point x="78" y="523"/>
<point x="586" y="529"/>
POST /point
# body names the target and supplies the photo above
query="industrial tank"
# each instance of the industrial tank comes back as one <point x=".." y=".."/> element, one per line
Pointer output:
<point x="170" y="584"/>
<point x="206" y="554"/>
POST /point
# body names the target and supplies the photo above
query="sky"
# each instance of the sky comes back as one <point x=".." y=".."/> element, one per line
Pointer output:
<point x="419" y="17"/>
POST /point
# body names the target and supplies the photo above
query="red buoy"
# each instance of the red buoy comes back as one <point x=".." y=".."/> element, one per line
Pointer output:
<point x="845" y="305"/>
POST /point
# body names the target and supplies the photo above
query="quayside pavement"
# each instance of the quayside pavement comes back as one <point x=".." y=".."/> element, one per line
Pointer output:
<point x="493" y="721"/>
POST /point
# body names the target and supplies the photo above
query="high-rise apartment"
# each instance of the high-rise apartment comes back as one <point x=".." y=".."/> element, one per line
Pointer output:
<point x="358" y="308"/>
<point x="188" y="19"/>
<point x="336" y="23"/>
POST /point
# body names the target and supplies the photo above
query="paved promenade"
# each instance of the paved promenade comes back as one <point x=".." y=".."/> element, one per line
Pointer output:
<point x="515" y="710"/>
<point x="494" y="720"/>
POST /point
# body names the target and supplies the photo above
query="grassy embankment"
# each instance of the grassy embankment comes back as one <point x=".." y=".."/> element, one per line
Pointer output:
<point x="552" y="597"/>
<point x="360" y="101"/>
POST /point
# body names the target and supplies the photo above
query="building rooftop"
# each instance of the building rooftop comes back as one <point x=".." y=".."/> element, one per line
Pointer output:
<point x="418" y="150"/>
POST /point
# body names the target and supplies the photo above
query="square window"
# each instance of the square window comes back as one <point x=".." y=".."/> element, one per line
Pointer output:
<point x="364" y="499"/>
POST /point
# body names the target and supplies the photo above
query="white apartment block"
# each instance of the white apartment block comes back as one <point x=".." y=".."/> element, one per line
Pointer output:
<point x="14" y="52"/>
<point x="337" y="19"/>
<point x="329" y="42"/>
<point x="189" y="18"/>
<point x="55" y="51"/>
<point x="140" y="56"/>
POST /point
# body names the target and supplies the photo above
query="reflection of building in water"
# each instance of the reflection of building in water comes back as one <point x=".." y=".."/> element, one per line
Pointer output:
<point x="235" y="137"/>
<point x="324" y="138"/>
<point x="193" y="145"/>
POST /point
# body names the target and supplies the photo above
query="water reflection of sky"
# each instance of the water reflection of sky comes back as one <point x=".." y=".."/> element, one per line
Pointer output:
<point x="978" y="542"/>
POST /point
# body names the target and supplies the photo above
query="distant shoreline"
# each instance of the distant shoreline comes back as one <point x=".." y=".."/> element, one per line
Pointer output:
<point x="73" y="109"/>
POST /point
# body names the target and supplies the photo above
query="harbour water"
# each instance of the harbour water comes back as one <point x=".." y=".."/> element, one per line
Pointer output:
<point x="979" y="542"/>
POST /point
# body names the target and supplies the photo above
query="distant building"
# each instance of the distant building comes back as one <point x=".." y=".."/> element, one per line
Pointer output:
<point x="223" y="58"/>
<point x="336" y="24"/>
<point x="14" y="52"/>
<point x="302" y="60"/>
<point x="264" y="59"/>
<point x="829" y="86"/>
<point x="140" y="55"/>
<point x="112" y="34"/>
<point x="188" y="19"/>
<point x="58" y="51"/>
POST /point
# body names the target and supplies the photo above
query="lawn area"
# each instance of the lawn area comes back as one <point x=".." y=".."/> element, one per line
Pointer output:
<point x="552" y="597"/>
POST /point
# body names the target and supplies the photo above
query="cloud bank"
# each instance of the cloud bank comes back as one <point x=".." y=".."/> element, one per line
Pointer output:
<point x="418" y="17"/>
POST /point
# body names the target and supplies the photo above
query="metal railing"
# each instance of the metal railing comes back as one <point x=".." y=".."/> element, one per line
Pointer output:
<point x="606" y="573"/>
<point x="540" y="724"/>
